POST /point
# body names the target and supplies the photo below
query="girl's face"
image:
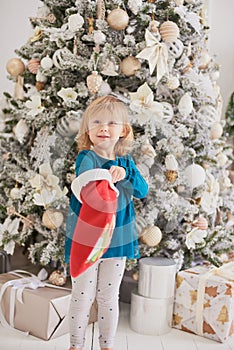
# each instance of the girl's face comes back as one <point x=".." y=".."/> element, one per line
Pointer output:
<point x="105" y="130"/>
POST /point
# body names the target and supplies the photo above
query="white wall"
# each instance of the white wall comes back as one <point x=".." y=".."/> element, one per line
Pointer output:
<point x="221" y="43"/>
<point x="15" y="29"/>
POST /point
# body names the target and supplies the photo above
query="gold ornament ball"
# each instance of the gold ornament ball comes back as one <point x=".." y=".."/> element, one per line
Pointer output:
<point x="171" y="175"/>
<point x="52" y="218"/>
<point x="57" y="278"/>
<point x="169" y="31"/>
<point x="118" y="19"/>
<point x="40" y="85"/>
<point x="151" y="236"/>
<point x="130" y="65"/>
<point x="15" y="67"/>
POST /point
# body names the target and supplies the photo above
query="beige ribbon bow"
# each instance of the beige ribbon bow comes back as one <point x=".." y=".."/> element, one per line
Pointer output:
<point x="157" y="55"/>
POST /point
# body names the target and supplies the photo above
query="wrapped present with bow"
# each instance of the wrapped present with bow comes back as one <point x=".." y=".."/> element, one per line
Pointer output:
<point x="204" y="303"/>
<point x="31" y="306"/>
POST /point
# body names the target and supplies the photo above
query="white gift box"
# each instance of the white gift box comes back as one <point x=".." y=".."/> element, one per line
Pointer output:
<point x="150" y="316"/>
<point x="157" y="277"/>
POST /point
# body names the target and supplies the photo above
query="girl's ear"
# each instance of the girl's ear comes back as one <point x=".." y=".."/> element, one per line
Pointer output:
<point x="125" y="131"/>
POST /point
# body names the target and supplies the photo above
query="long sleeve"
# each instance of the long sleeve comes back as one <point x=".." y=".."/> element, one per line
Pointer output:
<point x="134" y="177"/>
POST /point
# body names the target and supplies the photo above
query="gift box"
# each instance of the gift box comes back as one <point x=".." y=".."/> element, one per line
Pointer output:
<point x="42" y="312"/>
<point x="204" y="302"/>
<point x="152" y="305"/>
<point x="150" y="316"/>
<point x="157" y="277"/>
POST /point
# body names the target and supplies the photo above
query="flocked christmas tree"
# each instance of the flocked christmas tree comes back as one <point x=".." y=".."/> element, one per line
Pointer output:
<point x="153" y="56"/>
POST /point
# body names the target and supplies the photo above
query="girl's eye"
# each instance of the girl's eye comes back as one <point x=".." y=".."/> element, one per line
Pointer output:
<point x="113" y="123"/>
<point x="96" y="121"/>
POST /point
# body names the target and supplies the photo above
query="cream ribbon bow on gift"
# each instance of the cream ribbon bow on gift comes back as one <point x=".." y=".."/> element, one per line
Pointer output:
<point x="157" y="55"/>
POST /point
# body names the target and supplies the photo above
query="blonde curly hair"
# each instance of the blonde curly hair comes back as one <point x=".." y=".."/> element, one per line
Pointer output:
<point x="103" y="105"/>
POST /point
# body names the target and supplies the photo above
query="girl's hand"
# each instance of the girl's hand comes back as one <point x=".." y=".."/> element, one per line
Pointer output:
<point x="118" y="173"/>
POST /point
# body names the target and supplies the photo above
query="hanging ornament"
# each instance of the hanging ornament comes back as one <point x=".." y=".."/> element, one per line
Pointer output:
<point x="200" y="223"/>
<point x="61" y="56"/>
<point x="33" y="65"/>
<point x="94" y="82"/>
<point x="216" y="131"/>
<point x="118" y="19"/>
<point x="195" y="175"/>
<point x="101" y="9"/>
<point x="15" y="192"/>
<point x="171" y="168"/>
<point x="175" y="48"/>
<point x="209" y="113"/>
<point x="169" y="31"/>
<point x="173" y="83"/>
<point x="46" y="63"/>
<point x="21" y="130"/>
<point x="111" y="67"/>
<point x="40" y="85"/>
<point x="57" y="278"/>
<point x="67" y="126"/>
<point x="104" y="89"/>
<point x="129" y="65"/>
<point x="204" y="60"/>
<point x="151" y="236"/>
<point x="90" y="25"/>
<point x="168" y="112"/>
<point x="178" y="2"/>
<point x="99" y="37"/>
<point x="52" y="218"/>
<point x="19" y="88"/>
<point x="185" y="105"/>
<point x="15" y="67"/>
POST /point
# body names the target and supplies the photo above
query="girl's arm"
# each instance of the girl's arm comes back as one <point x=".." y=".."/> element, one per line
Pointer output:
<point x="138" y="183"/>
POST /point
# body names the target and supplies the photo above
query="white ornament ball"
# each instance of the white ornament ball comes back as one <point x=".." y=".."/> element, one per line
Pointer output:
<point x="222" y="159"/>
<point x="118" y="19"/>
<point x="216" y="131"/>
<point x="179" y="2"/>
<point x="52" y="218"/>
<point x="175" y="48"/>
<point x="173" y="83"/>
<point x="15" y="193"/>
<point x="151" y="236"/>
<point x="46" y="63"/>
<point x="215" y="75"/>
<point x="195" y="175"/>
<point x="171" y="162"/>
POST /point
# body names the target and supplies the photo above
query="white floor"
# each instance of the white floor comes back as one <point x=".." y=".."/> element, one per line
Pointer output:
<point x="126" y="339"/>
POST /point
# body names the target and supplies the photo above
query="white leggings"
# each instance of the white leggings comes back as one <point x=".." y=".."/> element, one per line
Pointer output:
<point x="101" y="280"/>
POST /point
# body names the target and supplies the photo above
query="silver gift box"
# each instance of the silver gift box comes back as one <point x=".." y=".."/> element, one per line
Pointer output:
<point x="150" y="316"/>
<point x="157" y="277"/>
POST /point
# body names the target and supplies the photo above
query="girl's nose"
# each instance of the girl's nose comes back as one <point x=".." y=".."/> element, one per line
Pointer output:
<point x="104" y="127"/>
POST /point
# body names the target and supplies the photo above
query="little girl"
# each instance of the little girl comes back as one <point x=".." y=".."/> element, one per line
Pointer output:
<point x="103" y="142"/>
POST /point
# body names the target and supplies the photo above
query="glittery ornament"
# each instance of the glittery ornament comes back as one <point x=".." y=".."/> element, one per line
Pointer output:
<point x="15" y="67"/>
<point x="151" y="236"/>
<point x="94" y="82"/>
<point x="111" y="67"/>
<point x="57" y="278"/>
<point x="101" y="9"/>
<point x="46" y="62"/>
<point x="118" y="19"/>
<point x="171" y="175"/>
<point x="200" y="223"/>
<point x="15" y="193"/>
<point x="169" y="31"/>
<point x="52" y="218"/>
<point x="129" y="65"/>
<point x="40" y="85"/>
<point x="33" y="65"/>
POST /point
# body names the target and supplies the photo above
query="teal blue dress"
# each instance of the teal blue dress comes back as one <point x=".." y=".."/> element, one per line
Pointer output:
<point x="124" y="242"/>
